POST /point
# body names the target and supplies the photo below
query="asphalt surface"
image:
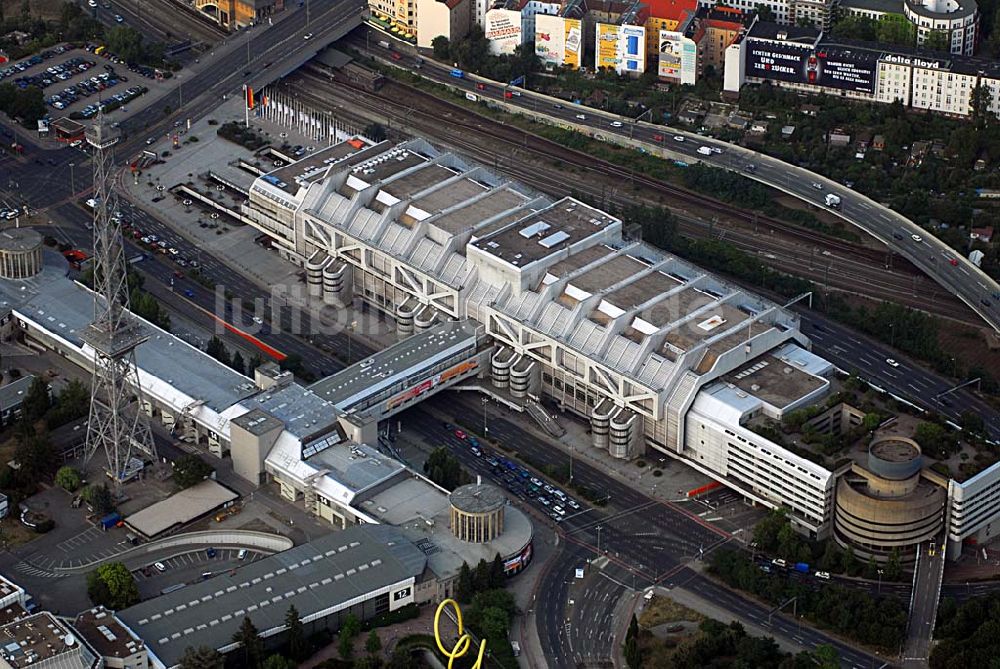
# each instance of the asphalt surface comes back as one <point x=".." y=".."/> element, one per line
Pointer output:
<point x="930" y="255"/>
<point x="923" y="610"/>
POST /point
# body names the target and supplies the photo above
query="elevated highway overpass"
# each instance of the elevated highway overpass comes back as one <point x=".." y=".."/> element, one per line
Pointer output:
<point x="256" y="56"/>
<point x="954" y="272"/>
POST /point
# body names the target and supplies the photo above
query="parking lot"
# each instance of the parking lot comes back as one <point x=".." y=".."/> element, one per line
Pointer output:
<point x="77" y="81"/>
<point x="189" y="567"/>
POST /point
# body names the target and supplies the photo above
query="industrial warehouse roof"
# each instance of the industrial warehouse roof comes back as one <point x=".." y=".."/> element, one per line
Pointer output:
<point x="318" y="578"/>
<point x="170" y="369"/>
<point x="181" y="508"/>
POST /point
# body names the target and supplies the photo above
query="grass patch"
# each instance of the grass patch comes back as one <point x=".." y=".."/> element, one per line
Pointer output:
<point x="660" y="610"/>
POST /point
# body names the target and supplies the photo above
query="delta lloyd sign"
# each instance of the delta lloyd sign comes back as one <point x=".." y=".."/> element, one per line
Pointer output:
<point x="913" y="61"/>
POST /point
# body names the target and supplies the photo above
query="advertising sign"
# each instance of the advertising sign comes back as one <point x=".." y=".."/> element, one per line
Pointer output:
<point x="503" y="30"/>
<point x="429" y="384"/>
<point x="550" y="39"/>
<point x="671" y="49"/>
<point x="607" y="47"/>
<point x="632" y="45"/>
<point x="573" y="41"/>
<point x="803" y="64"/>
<point x="519" y="561"/>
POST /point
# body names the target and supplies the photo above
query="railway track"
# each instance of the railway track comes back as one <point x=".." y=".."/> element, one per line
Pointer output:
<point x="843" y="268"/>
<point x="394" y="92"/>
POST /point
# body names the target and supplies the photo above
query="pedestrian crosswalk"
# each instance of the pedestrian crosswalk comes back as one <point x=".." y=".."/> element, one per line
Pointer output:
<point x="29" y="569"/>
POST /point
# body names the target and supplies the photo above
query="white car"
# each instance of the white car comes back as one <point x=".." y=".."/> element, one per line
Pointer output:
<point x="258" y="320"/>
<point x="891" y="362"/>
<point x="582" y="117"/>
<point x="119" y="18"/>
<point x="307" y="36"/>
<point x="825" y="575"/>
<point x="678" y="138"/>
<point x="92" y="3"/>
<point x="159" y="565"/>
<point x="917" y="238"/>
<point x="778" y="562"/>
<point x="242" y="554"/>
<point x="616" y="124"/>
<point x="817" y="185"/>
<point x="150" y="141"/>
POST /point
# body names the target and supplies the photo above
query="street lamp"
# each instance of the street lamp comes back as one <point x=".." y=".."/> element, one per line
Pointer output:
<point x="486" y="401"/>
<point x="72" y="180"/>
<point x="880" y="581"/>
<point x="348" y="331"/>
<point x="599" y="528"/>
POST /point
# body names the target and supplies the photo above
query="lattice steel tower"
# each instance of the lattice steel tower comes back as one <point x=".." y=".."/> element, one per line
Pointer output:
<point x="117" y="423"/>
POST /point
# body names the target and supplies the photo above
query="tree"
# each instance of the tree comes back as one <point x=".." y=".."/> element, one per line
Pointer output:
<point x="497" y="575"/>
<point x="99" y="498"/>
<point x="871" y="568"/>
<point x="464" y="587"/>
<point x="893" y="568"/>
<point x="112" y="585"/>
<point x="251" y="645"/>
<point x="125" y="42"/>
<point x="34" y="456"/>
<point x="979" y="103"/>
<point x="237" y="363"/>
<point x="633" y="653"/>
<point x="72" y="403"/>
<point x="68" y="479"/>
<point x="831" y="557"/>
<point x="444" y="469"/>
<point x="216" y="349"/>
<point x="201" y="657"/>
<point x="373" y="644"/>
<point x="278" y="662"/>
<point x="938" y="40"/>
<point x="298" y="647"/>
<point x="442" y="47"/>
<point x="349" y="629"/>
<point x="37" y="401"/>
<point x="849" y="561"/>
<point x="375" y="132"/>
<point x="190" y="469"/>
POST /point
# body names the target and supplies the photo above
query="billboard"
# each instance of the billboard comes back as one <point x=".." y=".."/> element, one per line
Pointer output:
<point x="503" y="30"/>
<point x="621" y="48"/>
<point x="677" y="58"/>
<point x="550" y="39"/>
<point x="802" y="64"/>
<point x="606" y="53"/>
<point x="431" y="383"/>
<point x="573" y="41"/>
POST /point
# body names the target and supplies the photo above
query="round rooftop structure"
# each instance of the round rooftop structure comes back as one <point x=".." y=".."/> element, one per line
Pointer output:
<point x="895" y="458"/>
<point x="477" y="512"/>
<point x="20" y="253"/>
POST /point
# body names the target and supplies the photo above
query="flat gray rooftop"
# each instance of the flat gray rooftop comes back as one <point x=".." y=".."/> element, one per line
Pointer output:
<point x="477" y="498"/>
<point x="446" y="553"/>
<point x="304" y="413"/>
<point x="545" y="232"/>
<point x="19" y="239"/>
<point x="471" y="215"/>
<point x="378" y="167"/>
<point x="180" y="508"/>
<point x="360" y="381"/>
<point x="615" y="270"/>
<point x="257" y="422"/>
<point x="406" y="186"/>
<point x="774" y="381"/>
<point x="409" y="499"/>
<point x="65" y="308"/>
<point x="315" y="162"/>
<point x="357" y="467"/>
<point x="318" y="578"/>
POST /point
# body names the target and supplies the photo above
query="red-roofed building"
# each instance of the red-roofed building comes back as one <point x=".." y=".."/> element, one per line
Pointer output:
<point x="665" y="15"/>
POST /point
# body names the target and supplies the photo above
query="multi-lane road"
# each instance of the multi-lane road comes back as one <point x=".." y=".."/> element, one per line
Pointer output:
<point x="963" y="279"/>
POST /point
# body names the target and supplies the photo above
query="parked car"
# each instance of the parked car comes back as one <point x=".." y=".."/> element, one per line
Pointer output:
<point x="159" y="565"/>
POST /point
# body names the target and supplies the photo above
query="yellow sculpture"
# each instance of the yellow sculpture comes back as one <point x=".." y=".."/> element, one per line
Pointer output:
<point x="464" y="641"/>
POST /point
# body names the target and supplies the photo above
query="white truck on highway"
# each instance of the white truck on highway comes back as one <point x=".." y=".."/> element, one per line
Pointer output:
<point x="704" y="150"/>
<point x="832" y="201"/>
